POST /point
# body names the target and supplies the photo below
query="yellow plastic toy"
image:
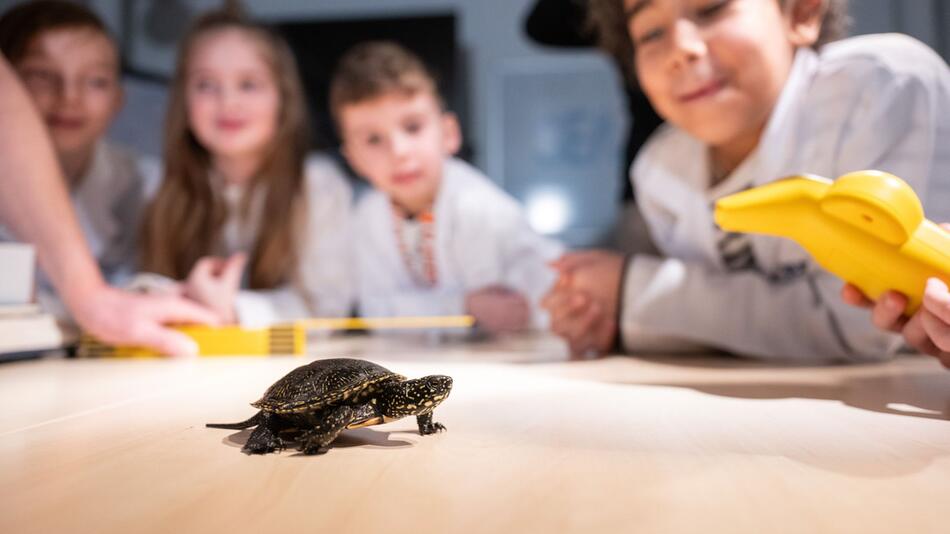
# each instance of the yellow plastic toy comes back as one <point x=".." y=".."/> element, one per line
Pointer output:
<point x="866" y="227"/>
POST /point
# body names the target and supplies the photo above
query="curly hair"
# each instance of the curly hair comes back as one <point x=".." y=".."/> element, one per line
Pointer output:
<point x="607" y="20"/>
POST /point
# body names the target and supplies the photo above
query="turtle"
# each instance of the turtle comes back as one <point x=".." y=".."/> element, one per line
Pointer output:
<point x="312" y="404"/>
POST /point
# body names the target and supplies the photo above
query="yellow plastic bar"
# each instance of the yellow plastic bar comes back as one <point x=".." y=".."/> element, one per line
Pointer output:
<point x="371" y="323"/>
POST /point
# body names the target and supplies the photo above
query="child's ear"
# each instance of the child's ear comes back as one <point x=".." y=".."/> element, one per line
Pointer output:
<point x="451" y="133"/>
<point x="804" y="21"/>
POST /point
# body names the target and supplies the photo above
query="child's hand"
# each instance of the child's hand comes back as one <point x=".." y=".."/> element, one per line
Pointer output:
<point x="583" y="303"/>
<point x="214" y="282"/>
<point x="498" y="309"/>
<point x="581" y="321"/>
<point x="928" y="330"/>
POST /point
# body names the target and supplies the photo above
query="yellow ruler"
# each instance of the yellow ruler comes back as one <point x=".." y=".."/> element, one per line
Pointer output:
<point x="283" y="339"/>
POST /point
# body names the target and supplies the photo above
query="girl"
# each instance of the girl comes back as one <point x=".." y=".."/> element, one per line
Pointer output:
<point x="237" y="188"/>
<point x="70" y="65"/>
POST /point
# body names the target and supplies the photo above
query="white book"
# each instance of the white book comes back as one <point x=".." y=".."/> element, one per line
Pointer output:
<point x="17" y="261"/>
<point x="33" y="332"/>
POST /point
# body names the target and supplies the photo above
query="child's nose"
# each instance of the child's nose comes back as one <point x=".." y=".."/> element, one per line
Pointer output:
<point x="70" y="91"/>
<point x="686" y="43"/>
<point x="400" y="145"/>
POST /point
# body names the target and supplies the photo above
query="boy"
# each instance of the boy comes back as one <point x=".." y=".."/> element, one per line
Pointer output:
<point x="70" y="66"/>
<point x="435" y="237"/>
<point x="748" y="100"/>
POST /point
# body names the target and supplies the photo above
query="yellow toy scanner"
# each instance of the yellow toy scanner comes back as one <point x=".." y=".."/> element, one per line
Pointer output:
<point x="866" y="227"/>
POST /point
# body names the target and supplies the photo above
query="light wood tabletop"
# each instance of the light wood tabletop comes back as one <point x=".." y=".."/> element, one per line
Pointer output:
<point x="534" y="443"/>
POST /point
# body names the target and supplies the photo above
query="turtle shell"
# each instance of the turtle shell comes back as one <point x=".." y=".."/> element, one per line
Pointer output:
<point x="322" y="383"/>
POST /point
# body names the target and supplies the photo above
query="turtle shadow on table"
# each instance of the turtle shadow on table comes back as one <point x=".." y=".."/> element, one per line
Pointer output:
<point x="359" y="437"/>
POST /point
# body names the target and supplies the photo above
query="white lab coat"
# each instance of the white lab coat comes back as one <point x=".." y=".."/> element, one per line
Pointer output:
<point x="871" y="102"/>
<point x="481" y="238"/>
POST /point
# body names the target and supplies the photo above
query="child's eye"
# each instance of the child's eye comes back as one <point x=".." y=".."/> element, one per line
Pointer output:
<point x="40" y="78"/>
<point x="374" y="140"/>
<point x="413" y="127"/>
<point x="99" y="82"/>
<point x="711" y="10"/>
<point x="250" y="85"/>
<point x="204" y="85"/>
<point x="649" y="36"/>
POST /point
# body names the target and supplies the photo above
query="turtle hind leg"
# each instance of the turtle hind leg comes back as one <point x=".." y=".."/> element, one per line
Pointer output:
<point x="427" y="426"/>
<point x="254" y="420"/>
<point x="327" y="426"/>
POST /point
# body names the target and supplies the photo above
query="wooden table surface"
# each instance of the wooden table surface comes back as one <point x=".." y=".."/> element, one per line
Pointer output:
<point x="534" y="444"/>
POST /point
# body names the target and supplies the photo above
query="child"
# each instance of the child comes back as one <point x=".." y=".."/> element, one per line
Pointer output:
<point x="70" y="65"/>
<point x="751" y="95"/>
<point x="237" y="187"/>
<point x="435" y="237"/>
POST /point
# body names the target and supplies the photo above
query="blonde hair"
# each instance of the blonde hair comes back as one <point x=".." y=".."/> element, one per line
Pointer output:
<point x="607" y="20"/>
<point x="377" y="68"/>
<point x="185" y="220"/>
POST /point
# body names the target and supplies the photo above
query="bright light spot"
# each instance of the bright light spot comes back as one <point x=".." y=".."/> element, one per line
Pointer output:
<point x="907" y="408"/>
<point x="548" y="211"/>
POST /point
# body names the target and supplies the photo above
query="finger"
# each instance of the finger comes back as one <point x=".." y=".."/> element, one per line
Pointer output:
<point x="170" y="309"/>
<point x="855" y="297"/>
<point x="916" y="336"/>
<point x="606" y="334"/>
<point x="937" y="299"/>
<point x="945" y="226"/>
<point x="202" y="269"/>
<point x="233" y="269"/>
<point x="166" y="341"/>
<point x="888" y="312"/>
<point x="573" y="260"/>
<point x="937" y="331"/>
<point x="582" y="328"/>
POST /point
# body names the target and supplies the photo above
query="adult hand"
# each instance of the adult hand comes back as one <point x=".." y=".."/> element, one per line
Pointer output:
<point x="498" y="309"/>
<point x="122" y="318"/>
<point x="214" y="283"/>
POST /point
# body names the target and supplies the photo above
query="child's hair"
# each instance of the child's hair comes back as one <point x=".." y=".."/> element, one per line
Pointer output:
<point x="21" y="24"/>
<point x="185" y="220"/>
<point x="377" y="68"/>
<point x="606" y="18"/>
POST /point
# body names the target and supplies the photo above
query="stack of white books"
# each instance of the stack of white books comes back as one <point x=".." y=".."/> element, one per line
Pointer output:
<point x="24" y="327"/>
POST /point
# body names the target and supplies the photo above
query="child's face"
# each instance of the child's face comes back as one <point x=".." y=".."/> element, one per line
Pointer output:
<point x="399" y="143"/>
<point x="72" y="75"/>
<point x="232" y="97"/>
<point x="715" y="68"/>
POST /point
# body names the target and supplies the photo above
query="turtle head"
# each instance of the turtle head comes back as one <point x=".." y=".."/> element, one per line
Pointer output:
<point x="415" y="397"/>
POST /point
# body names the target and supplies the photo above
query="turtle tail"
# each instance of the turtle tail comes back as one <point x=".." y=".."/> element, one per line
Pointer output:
<point x="254" y="420"/>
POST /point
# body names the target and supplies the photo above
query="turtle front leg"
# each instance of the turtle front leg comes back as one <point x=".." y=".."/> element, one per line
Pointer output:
<point x="426" y="426"/>
<point x="327" y="426"/>
<point x="265" y="437"/>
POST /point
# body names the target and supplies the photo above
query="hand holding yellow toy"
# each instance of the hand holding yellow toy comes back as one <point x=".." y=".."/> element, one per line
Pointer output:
<point x="866" y="227"/>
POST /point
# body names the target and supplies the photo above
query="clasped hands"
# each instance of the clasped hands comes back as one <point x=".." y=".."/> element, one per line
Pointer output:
<point x="583" y="304"/>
